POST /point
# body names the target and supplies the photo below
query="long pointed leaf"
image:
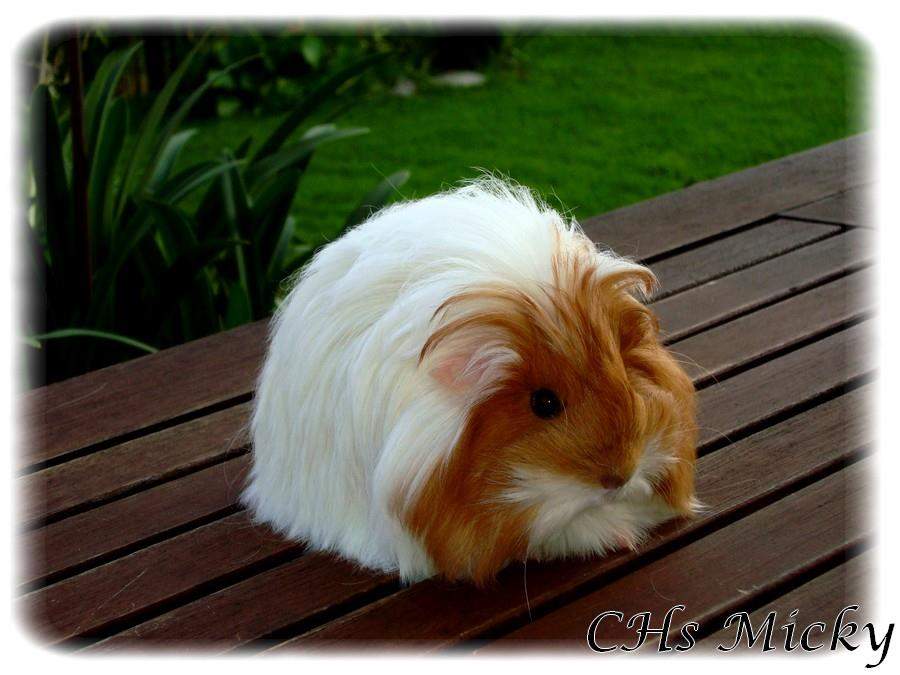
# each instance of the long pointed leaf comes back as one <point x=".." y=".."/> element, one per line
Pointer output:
<point x="101" y="94"/>
<point x="87" y="332"/>
<point x="188" y="266"/>
<point x="188" y="180"/>
<point x="270" y="214"/>
<point x="238" y="215"/>
<point x="275" y="270"/>
<point x="297" y="155"/>
<point x="181" y="112"/>
<point x="148" y="137"/>
<point x="176" y="230"/>
<point x="168" y="157"/>
<point x="122" y="247"/>
<point x="319" y="93"/>
<point x="238" y="311"/>
<point x="101" y="197"/>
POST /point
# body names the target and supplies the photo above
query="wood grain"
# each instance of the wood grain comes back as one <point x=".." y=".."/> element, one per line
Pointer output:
<point x="850" y="207"/>
<point x="224" y="621"/>
<point x="755" y="396"/>
<point x="718" y="300"/>
<point x="747" y="400"/>
<point x="102" y="405"/>
<point x="740" y="250"/>
<point x="714" y="352"/>
<point x="712" y="207"/>
<point x="144" y="461"/>
<point x="95" y="601"/>
<point x="95" y="536"/>
<point x="296" y="592"/>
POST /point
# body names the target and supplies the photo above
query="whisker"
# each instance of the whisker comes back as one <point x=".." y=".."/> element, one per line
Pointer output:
<point x="689" y="361"/>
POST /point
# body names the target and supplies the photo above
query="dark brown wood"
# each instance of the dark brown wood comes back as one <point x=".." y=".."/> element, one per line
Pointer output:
<point x="710" y="354"/>
<point x="95" y="536"/>
<point x="732" y="253"/>
<point x="767" y="282"/>
<point x="757" y="395"/>
<point x="820" y="599"/>
<point x="95" y="601"/>
<point x="850" y="207"/>
<point x="728" y="481"/>
<point x="136" y="395"/>
<point x="144" y="461"/>
<point x="261" y="606"/>
<point x="738" y="563"/>
<point x="712" y="207"/>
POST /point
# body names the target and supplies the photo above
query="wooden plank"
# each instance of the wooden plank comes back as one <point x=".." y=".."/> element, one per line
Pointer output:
<point x="99" y="533"/>
<point x="168" y="572"/>
<point x="767" y="282"/>
<point x="439" y="613"/>
<point x="96" y="536"/>
<point x="712" y="353"/>
<point x="756" y="395"/>
<point x="850" y="207"/>
<point x="296" y="592"/>
<point x="761" y="552"/>
<point x="735" y="252"/>
<point x="144" y="461"/>
<point x="706" y="209"/>
<point x="131" y="396"/>
<point x="820" y="599"/>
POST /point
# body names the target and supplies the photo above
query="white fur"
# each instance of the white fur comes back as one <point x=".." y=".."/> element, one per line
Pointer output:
<point x="574" y="518"/>
<point x="345" y="418"/>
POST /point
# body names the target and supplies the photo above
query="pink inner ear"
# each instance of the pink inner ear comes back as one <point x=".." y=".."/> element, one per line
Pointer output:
<point x="450" y="372"/>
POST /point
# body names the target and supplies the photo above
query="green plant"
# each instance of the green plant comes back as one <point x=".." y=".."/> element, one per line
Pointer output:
<point x="116" y="247"/>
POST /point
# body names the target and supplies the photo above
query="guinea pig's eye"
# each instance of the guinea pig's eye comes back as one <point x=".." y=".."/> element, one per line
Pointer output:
<point x="545" y="403"/>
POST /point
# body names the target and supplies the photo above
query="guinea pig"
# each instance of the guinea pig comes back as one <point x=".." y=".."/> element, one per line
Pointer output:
<point x="464" y="381"/>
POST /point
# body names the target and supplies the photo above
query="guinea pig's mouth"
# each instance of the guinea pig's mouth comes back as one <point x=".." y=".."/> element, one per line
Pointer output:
<point x="562" y="498"/>
<point x="574" y="517"/>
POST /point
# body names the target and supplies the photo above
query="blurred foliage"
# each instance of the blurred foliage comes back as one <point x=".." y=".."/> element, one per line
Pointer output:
<point x="288" y="59"/>
<point x="144" y="266"/>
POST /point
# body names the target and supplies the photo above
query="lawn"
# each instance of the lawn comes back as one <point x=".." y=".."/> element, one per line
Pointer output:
<point x="592" y="121"/>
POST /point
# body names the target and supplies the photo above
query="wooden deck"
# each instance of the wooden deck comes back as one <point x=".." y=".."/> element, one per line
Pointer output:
<point x="132" y="536"/>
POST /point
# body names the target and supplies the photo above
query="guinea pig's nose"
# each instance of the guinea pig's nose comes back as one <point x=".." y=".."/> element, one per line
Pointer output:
<point x="613" y="481"/>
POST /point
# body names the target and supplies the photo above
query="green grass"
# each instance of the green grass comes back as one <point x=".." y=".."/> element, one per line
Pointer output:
<point x="596" y="120"/>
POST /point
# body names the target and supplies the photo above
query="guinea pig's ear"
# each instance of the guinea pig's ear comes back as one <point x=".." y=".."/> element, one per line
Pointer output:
<point x="466" y="365"/>
<point x="472" y="352"/>
<point x="636" y="280"/>
<point x="625" y="291"/>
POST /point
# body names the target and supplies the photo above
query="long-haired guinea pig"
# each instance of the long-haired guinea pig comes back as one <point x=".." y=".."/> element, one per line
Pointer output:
<point x="466" y="380"/>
